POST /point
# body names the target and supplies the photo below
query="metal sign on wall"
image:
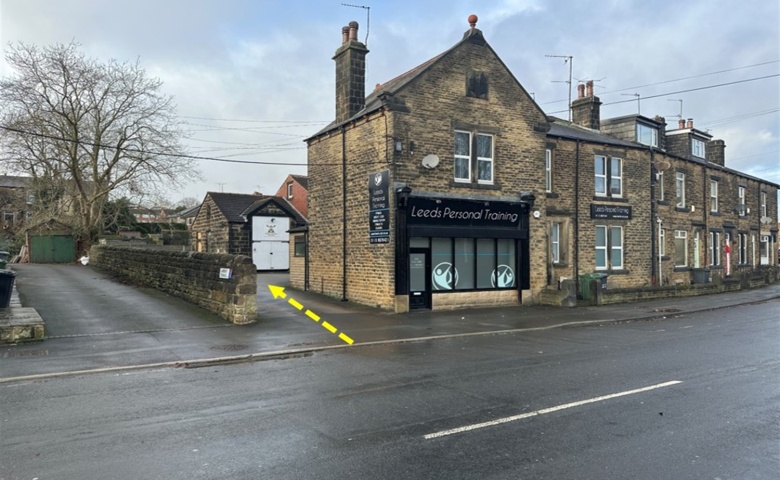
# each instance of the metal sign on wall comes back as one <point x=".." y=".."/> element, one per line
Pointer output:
<point x="617" y="212"/>
<point x="379" y="207"/>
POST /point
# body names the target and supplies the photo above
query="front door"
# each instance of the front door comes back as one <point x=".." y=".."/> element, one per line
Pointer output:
<point x="419" y="278"/>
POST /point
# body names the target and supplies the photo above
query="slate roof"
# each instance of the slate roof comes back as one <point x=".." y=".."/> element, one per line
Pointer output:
<point x="564" y="129"/>
<point x="232" y="205"/>
<point x="303" y="180"/>
<point x="281" y="202"/>
<point x="189" y="212"/>
<point x="13" y="181"/>
<point x="374" y="100"/>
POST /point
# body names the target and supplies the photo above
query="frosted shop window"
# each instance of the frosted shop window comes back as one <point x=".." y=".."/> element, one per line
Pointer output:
<point x="473" y="264"/>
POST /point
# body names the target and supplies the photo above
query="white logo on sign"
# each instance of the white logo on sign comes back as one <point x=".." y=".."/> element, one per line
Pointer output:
<point x="271" y="232"/>
<point x="503" y="277"/>
<point x="378" y="179"/>
<point x="444" y="276"/>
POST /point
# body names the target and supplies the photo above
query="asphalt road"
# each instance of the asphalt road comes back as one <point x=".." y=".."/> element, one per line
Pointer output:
<point x="371" y="412"/>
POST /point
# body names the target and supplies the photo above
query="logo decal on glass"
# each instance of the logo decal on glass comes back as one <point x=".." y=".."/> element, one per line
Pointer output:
<point x="444" y="276"/>
<point x="503" y="277"/>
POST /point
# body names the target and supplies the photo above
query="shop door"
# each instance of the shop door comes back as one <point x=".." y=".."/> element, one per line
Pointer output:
<point x="419" y="278"/>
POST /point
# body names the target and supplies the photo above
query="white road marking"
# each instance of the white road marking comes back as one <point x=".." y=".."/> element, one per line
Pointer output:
<point x="544" y="411"/>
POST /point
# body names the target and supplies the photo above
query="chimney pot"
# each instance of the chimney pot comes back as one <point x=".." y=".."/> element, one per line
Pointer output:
<point x="681" y="123"/>
<point x="473" y="20"/>
<point x="589" y="88"/>
<point x="344" y="35"/>
<point x="581" y="90"/>
<point x="353" y="31"/>
<point x="690" y="123"/>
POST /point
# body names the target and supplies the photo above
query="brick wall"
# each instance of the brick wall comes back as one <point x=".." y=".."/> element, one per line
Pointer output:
<point x="191" y="276"/>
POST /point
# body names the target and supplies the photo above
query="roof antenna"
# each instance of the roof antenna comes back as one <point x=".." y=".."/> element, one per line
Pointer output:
<point x="570" y="60"/>
<point x="680" y="115"/>
<point x="368" y="17"/>
<point x="638" y="107"/>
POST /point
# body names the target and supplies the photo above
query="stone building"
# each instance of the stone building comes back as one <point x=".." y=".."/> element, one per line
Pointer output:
<point x="253" y="225"/>
<point x="449" y="187"/>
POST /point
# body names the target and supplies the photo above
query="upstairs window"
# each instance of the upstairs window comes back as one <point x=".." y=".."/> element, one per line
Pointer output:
<point x="290" y="190"/>
<point x="763" y="204"/>
<point x="741" y="206"/>
<point x="477" y="85"/>
<point x="473" y="149"/>
<point x="608" y="176"/>
<point x="713" y="195"/>
<point x="548" y="170"/>
<point x="462" y="156"/>
<point x="679" y="185"/>
<point x="646" y="135"/>
<point x="697" y="148"/>
<point x="661" y="186"/>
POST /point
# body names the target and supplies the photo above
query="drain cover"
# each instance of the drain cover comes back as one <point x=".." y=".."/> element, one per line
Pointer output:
<point x="230" y="348"/>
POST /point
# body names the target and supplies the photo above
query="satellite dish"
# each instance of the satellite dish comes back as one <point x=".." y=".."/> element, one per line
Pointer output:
<point x="430" y="161"/>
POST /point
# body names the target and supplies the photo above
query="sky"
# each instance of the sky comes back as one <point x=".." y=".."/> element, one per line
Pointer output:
<point x="252" y="79"/>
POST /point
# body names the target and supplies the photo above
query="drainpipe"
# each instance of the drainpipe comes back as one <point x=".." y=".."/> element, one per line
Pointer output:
<point x="343" y="214"/>
<point x="577" y="221"/>
<point x="655" y="272"/>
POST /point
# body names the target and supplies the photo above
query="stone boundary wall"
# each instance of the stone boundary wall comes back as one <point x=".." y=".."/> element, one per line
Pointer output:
<point x="565" y="296"/>
<point x="191" y="276"/>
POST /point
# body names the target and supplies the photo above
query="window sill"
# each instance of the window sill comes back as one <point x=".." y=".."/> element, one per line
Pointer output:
<point x="715" y="267"/>
<point x="683" y="209"/>
<point x="616" y="272"/>
<point x="715" y="214"/>
<point x="560" y="264"/>
<point x="475" y="186"/>
<point x="551" y="195"/>
<point x="663" y="202"/>
<point x="610" y="199"/>
<point x="682" y="269"/>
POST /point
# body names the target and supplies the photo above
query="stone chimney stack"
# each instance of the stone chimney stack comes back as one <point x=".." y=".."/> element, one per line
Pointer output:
<point x="716" y="152"/>
<point x="586" y="110"/>
<point x="350" y="74"/>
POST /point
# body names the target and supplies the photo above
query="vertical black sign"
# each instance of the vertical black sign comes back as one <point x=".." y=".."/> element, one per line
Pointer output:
<point x="379" y="207"/>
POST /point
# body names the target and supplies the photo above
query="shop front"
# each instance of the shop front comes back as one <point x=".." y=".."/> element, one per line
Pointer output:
<point x="456" y="252"/>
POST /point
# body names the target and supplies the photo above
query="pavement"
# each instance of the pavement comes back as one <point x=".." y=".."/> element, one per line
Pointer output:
<point x="96" y="323"/>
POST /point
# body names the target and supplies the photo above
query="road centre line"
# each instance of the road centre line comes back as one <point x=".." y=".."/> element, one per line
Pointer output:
<point x="544" y="411"/>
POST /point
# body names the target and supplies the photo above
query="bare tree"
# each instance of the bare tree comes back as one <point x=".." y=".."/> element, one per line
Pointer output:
<point x="87" y="131"/>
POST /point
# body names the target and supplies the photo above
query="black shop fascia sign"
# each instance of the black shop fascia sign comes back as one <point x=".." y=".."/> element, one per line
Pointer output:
<point x="465" y="213"/>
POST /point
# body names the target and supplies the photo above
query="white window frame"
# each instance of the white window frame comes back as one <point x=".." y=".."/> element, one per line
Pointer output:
<point x="698" y="148"/>
<point x="765" y="259"/>
<point x="613" y="254"/>
<point x="743" y="256"/>
<point x="488" y="160"/>
<point x="681" y="235"/>
<point x="715" y="259"/>
<point x="662" y="241"/>
<point x="290" y="190"/>
<point x="642" y="131"/>
<point x="713" y="196"/>
<point x="602" y="160"/>
<point x="555" y="242"/>
<point x="661" y="186"/>
<point x="679" y="188"/>
<point x="613" y="177"/>
<point x="696" y="250"/>
<point x="763" y="204"/>
<point x="753" y="249"/>
<point x="463" y="157"/>
<point x="548" y="170"/>
<point x="741" y="200"/>
<point x="609" y="176"/>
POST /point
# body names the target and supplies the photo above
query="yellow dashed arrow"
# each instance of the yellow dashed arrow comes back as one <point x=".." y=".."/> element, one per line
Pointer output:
<point x="278" y="292"/>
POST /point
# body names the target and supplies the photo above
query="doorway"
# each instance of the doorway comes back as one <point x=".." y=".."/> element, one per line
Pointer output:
<point x="419" y="278"/>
